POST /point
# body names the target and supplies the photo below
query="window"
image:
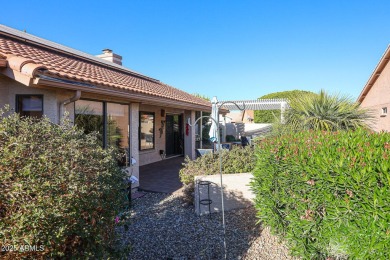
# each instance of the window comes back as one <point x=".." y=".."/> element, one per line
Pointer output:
<point x="117" y="125"/>
<point x="29" y="105"/>
<point x="89" y="116"/>
<point x="384" y="111"/>
<point x="146" y="132"/>
<point x="109" y="120"/>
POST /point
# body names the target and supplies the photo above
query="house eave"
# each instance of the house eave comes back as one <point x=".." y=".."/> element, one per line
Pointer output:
<point x="375" y="74"/>
<point x="130" y="96"/>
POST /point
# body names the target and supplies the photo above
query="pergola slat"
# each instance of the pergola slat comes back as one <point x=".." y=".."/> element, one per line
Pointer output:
<point x="259" y="104"/>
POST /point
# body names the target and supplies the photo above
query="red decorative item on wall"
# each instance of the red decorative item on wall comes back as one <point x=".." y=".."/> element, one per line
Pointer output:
<point x="187" y="129"/>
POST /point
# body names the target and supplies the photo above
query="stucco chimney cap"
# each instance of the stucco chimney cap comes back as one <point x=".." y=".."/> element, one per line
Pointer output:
<point x="110" y="56"/>
<point x="107" y="50"/>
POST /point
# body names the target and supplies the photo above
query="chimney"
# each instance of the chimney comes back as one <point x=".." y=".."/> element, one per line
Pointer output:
<point x="110" y="56"/>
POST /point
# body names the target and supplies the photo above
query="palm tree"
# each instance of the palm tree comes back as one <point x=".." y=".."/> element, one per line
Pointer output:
<point x="325" y="112"/>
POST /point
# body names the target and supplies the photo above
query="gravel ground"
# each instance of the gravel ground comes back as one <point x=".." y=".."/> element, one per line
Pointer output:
<point x="161" y="227"/>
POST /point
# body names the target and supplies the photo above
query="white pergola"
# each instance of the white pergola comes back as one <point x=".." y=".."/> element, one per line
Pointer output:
<point x="259" y="104"/>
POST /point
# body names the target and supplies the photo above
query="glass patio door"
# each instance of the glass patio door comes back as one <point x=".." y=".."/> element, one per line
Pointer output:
<point x="109" y="120"/>
<point x="174" y="140"/>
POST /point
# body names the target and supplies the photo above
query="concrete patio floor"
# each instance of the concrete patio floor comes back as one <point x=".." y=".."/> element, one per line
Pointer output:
<point x="162" y="176"/>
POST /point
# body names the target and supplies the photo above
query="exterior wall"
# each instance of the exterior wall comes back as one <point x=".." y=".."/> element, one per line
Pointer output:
<point x="248" y="114"/>
<point x="237" y="116"/>
<point x="379" y="97"/>
<point x="5" y="84"/>
<point x="153" y="155"/>
<point x="189" y="140"/>
<point x="51" y="98"/>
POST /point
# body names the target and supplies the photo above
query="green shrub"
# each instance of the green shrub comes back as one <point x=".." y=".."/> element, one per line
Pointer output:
<point x="238" y="160"/>
<point x="230" y="138"/>
<point x="327" y="193"/>
<point x="60" y="191"/>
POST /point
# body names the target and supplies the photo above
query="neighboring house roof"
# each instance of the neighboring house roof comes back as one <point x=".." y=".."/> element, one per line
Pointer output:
<point x="43" y="60"/>
<point x="375" y="74"/>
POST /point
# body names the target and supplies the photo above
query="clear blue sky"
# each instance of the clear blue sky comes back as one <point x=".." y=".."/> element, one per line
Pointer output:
<point x="229" y="49"/>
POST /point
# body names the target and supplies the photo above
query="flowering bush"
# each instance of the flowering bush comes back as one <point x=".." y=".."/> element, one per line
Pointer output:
<point x="60" y="191"/>
<point x="238" y="160"/>
<point x="327" y="193"/>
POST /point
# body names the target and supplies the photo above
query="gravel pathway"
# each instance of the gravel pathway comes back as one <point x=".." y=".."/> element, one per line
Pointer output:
<point x="161" y="227"/>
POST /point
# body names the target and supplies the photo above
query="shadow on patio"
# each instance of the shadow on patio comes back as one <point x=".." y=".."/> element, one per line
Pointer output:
<point x="162" y="176"/>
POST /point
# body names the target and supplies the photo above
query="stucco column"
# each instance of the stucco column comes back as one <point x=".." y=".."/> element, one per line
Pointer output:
<point x="201" y="129"/>
<point x="189" y="140"/>
<point x="134" y="140"/>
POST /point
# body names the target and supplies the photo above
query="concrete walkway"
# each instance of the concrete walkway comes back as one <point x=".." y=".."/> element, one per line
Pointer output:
<point x="236" y="190"/>
<point x="161" y="176"/>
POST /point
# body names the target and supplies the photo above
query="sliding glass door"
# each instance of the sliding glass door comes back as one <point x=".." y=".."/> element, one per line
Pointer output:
<point x="90" y="117"/>
<point x="117" y="125"/>
<point x="109" y="120"/>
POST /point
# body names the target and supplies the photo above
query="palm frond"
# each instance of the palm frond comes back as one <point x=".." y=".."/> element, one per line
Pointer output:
<point x="326" y="112"/>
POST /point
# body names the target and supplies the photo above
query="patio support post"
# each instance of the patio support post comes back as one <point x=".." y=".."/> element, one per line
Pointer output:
<point x="134" y="126"/>
<point x="201" y="130"/>
<point x="192" y="136"/>
<point x="283" y="106"/>
<point x="189" y="140"/>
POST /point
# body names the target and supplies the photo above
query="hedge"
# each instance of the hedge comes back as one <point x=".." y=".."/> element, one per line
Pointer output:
<point x="326" y="193"/>
<point x="60" y="191"/>
<point x="237" y="160"/>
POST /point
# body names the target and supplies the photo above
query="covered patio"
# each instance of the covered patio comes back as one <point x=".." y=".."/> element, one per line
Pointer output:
<point x="162" y="176"/>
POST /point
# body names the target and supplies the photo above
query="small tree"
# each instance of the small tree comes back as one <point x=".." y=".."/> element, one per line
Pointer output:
<point x="60" y="190"/>
<point x="325" y="112"/>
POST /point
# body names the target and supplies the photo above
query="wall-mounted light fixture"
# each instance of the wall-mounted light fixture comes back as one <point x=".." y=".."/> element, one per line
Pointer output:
<point x="161" y="129"/>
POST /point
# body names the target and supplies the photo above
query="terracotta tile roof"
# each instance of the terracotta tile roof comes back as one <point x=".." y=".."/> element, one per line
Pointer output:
<point x="66" y="63"/>
<point x="375" y="74"/>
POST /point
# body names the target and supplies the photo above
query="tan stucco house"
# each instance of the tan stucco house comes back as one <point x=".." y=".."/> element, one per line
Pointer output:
<point x="130" y="110"/>
<point x="376" y="94"/>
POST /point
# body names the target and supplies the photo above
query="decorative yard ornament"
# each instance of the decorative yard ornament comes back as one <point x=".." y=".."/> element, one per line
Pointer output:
<point x="215" y="122"/>
<point x="214" y="137"/>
